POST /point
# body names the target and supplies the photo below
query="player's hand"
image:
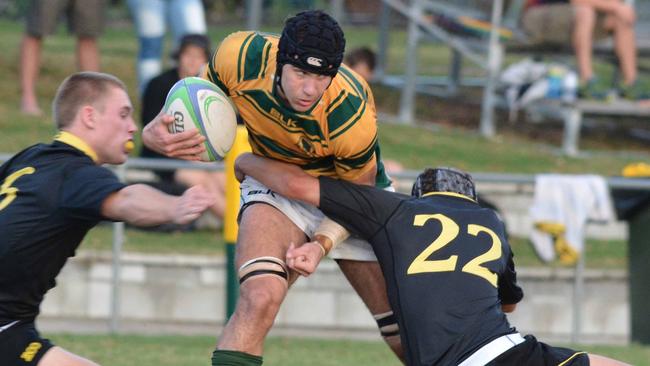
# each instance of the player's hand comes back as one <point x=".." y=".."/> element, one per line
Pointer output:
<point x="186" y="145"/>
<point x="191" y="204"/>
<point x="305" y="258"/>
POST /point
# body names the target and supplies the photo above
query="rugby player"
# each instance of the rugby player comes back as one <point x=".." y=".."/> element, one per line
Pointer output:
<point x="448" y="266"/>
<point x="52" y="194"/>
<point x="300" y="105"/>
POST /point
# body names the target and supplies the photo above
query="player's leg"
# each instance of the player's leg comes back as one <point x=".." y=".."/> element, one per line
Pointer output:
<point x="57" y="356"/>
<point x="21" y="344"/>
<point x="533" y="352"/>
<point x="264" y="237"/>
<point x="367" y="280"/>
<point x="597" y="360"/>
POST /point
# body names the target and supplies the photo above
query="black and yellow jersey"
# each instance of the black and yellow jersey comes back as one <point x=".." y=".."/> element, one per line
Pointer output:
<point x="51" y="195"/>
<point x="447" y="264"/>
<point x="337" y="137"/>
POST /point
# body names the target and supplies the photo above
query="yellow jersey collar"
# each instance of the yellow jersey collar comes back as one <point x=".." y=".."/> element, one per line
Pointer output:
<point x="452" y="194"/>
<point x="77" y="143"/>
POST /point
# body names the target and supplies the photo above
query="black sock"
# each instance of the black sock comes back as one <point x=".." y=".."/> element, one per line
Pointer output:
<point x="234" y="358"/>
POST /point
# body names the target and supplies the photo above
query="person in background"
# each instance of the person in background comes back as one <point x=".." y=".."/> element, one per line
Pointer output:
<point x="362" y="60"/>
<point x="51" y="196"/>
<point x="85" y="19"/>
<point x="151" y="19"/>
<point x="580" y="22"/>
<point x="193" y="52"/>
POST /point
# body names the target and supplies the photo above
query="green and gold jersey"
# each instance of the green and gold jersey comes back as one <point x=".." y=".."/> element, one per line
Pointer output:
<point x="337" y="137"/>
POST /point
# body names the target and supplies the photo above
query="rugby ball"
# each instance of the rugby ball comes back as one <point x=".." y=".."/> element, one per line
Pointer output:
<point x="196" y="103"/>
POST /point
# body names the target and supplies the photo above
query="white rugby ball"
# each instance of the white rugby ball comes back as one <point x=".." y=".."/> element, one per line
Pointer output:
<point x="197" y="103"/>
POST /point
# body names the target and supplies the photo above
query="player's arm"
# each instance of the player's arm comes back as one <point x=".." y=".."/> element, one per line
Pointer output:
<point x="142" y="205"/>
<point x="329" y="233"/>
<point x="292" y="182"/>
<point x="287" y="179"/>
<point x="509" y="292"/>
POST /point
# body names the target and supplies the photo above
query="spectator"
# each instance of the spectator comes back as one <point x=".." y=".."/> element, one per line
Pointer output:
<point x="151" y="18"/>
<point x="362" y="61"/>
<point x="581" y="22"/>
<point x="192" y="54"/>
<point x="85" y="20"/>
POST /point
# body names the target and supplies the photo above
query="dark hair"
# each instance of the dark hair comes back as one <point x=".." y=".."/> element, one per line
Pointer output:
<point x="197" y="40"/>
<point x="312" y="41"/>
<point x="444" y="180"/>
<point x="359" y="55"/>
<point x="81" y="89"/>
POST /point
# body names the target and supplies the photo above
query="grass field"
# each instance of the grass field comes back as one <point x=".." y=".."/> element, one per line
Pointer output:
<point x="197" y="350"/>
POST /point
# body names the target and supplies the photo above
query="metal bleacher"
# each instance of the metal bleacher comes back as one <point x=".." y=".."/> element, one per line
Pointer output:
<point x="502" y="35"/>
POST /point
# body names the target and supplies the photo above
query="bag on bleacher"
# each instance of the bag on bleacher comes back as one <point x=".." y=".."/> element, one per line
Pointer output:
<point x="527" y="81"/>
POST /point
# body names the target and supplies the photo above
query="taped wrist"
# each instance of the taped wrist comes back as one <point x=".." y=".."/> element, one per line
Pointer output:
<point x="387" y="323"/>
<point x="333" y="231"/>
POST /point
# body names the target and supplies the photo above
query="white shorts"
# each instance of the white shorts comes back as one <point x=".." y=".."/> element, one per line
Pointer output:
<point x="305" y="217"/>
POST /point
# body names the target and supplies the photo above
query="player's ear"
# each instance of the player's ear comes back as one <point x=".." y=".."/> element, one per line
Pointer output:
<point x="88" y="116"/>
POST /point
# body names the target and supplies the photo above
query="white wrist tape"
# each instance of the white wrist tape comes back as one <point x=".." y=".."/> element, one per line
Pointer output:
<point x="333" y="231"/>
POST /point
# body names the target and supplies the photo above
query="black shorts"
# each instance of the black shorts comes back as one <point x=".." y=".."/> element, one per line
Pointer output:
<point x="534" y="353"/>
<point x="21" y="345"/>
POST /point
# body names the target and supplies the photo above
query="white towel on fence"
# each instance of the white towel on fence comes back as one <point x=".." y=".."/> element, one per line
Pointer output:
<point x="570" y="200"/>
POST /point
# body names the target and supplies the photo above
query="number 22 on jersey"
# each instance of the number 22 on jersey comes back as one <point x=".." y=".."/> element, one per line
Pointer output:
<point x="449" y="232"/>
<point x="7" y="190"/>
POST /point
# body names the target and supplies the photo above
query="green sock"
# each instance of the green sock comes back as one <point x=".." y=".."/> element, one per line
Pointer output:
<point x="234" y="358"/>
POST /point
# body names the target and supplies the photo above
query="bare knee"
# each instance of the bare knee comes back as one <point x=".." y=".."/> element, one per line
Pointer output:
<point x="260" y="300"/>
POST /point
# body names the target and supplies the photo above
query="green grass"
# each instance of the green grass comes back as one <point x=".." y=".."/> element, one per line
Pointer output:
<point x="197" y="242"/>
<point x="418" y="147"/>
<point x="129" y="350"/>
